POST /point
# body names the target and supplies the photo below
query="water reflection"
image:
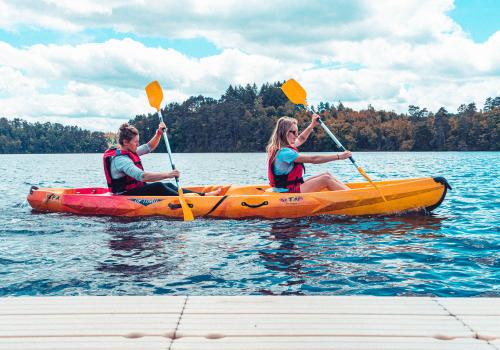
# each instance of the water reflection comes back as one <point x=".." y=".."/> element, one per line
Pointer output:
<point x="428" y="226"/>
<point x="341" y="254"/>
<point x="137" y="251"/>
<point x="285" y="255"/>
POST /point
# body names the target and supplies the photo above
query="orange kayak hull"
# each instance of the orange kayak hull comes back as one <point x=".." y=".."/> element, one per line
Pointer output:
<point x="236" y="202"/>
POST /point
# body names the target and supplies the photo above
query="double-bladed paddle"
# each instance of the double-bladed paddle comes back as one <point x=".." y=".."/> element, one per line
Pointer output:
<point x="155" y="96"/>
<point x="297" y="95"/>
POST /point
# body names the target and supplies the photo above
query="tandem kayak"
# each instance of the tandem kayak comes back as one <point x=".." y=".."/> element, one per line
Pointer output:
<point x="235" y="202"/>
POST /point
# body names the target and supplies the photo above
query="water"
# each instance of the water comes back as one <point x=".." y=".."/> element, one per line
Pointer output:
<point x="454" y="252"/>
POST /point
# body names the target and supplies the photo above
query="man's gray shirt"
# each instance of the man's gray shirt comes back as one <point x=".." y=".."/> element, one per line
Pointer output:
<point x="123" y="165"/>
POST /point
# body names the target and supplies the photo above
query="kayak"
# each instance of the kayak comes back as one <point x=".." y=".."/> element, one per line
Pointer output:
<point x="249" y="201"/>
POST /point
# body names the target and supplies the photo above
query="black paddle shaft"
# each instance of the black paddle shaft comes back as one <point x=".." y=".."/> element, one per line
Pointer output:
<point x="337" y="142"/>
<point x="167" y="144"/>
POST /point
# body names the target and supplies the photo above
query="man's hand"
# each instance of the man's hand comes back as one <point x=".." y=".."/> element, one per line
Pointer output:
<point x="174" y="173"/>
<point x="161" y="127"/>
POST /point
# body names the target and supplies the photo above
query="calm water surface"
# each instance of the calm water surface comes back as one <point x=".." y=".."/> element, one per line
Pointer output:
<point x="454" y="252"/>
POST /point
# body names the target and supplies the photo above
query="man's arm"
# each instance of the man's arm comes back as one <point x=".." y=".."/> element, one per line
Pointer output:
<point x="153" y="143"/>
<point x="126" y="166"/>
<point x="152" y="177"/>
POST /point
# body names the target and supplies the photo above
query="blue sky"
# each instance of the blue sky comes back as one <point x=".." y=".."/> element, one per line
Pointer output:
<point x="479" y="18"/>
<point x="86" y="62"/>
<point x="27" y="36"/>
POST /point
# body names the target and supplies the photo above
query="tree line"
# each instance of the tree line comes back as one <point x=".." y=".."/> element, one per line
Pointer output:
<point x="242" y="120"/>
<point x="20" y="136"/>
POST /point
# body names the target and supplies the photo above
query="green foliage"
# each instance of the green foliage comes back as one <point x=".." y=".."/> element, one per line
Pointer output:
<point x="19" y="136"/>
<point x="243" y="118"/>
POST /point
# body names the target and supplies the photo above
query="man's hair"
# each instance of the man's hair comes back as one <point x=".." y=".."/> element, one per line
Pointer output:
<point x="127" y="132"/>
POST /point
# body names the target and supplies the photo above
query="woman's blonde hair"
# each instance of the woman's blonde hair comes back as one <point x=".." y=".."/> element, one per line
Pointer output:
<point x="278" y="139"/>
<point x="127" y="132"/>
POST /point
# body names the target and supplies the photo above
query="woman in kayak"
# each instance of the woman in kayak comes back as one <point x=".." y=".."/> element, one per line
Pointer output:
<point x="125" y="174"/>
<point x="286" y="164"/>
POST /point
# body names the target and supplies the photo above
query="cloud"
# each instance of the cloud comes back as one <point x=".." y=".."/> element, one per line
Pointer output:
<point x="13" y="82"/>
<point x="129" y="64"/>
<point x="387" y="53"/>
<point x="76" y="101"/>
<point x="252" y="26"/>
<point x="107" y="80"/>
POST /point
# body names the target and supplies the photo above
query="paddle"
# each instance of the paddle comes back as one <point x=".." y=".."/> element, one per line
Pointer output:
<point x="297" y="95"/>
<point x="155" y="96"/>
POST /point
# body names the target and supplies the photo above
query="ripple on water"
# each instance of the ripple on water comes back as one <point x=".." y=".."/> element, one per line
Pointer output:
<point x="454" y="252"/>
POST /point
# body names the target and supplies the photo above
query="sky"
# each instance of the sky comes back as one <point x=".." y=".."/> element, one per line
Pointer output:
<point x="86" y="62"/>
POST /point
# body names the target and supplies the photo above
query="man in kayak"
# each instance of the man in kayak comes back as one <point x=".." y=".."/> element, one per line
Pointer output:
<point x="286" y="164"/>
<point x="125" y="174"/>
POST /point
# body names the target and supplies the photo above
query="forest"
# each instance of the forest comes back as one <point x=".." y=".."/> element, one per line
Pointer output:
<point x="20" y="136"/>
<point x="242" y="120"/>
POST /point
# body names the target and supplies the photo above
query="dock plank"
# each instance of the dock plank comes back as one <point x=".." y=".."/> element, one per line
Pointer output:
<point x="206" y="325"/>
<point x="328" y="343"/>
<point x="66" y="325"/>
<point x="91" y="305"/>
<point x="249" y="322"/>
<point x="85" y="343"/>
<point x="313" y="305"/>
<point x="471" y="306"/>
<point x="487" y="327"/>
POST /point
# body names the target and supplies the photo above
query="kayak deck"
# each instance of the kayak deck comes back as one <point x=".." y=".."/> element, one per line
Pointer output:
<point x="243" y="201"/>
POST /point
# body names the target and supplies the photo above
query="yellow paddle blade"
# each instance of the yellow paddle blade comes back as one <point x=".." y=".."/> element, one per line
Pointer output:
<point x="186" y="210"/>
<point x="155" y="94"/>
<point x="294" y="92"/>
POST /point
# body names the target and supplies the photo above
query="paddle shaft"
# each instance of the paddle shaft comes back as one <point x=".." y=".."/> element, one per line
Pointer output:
<point x="361" y="171"/>
<point x="332" y="136"/>
<point x="165" y="137"/>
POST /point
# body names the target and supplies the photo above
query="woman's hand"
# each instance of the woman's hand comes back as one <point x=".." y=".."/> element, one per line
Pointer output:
<point x="174" y="173"/>
<point x="161" y="127"/>
<point x="315" y="117"/>
<point x="345" y="155"/>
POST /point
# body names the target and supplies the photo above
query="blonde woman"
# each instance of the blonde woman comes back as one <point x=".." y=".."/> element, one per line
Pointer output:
<point x="286" y="164"/>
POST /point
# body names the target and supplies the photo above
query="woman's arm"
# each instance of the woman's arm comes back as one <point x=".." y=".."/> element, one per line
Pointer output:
<point x="321" y="158"/>
<point x="307" y="131"/>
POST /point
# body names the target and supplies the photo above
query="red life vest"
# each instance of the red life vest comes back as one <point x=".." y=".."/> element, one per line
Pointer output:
<point x="290" y="181"/>
<point x="125" y="183"/>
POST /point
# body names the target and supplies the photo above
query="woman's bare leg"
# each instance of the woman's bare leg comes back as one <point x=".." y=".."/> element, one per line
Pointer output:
<point x="316" y="184"/>
<point x="215" y="192"/>
<point x="315" y="176"/>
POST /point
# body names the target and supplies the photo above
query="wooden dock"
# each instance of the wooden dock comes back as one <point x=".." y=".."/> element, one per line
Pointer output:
<point x="249" y="322"/>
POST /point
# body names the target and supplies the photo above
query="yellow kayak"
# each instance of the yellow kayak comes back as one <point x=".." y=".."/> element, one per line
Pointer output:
<point x="236" y="202"/>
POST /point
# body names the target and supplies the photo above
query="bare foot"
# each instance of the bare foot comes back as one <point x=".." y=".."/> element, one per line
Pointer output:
<point x="215" y="192"/>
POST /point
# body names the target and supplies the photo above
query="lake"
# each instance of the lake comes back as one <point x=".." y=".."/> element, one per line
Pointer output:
<point x="453" y="252"/>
